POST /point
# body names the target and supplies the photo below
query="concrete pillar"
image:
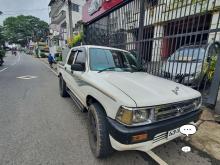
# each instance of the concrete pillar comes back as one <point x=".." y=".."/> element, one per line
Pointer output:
<point x="157" y="43"/>
<point x="69" y="18"/>
<point x="67" y="22"/>
<point x="215" y="24"/>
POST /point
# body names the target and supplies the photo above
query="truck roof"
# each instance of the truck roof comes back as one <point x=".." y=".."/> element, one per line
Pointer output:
<point x="101" y="47"/>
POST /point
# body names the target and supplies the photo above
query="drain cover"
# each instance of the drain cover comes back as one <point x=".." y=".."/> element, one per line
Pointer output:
<point x="27" y="77"/>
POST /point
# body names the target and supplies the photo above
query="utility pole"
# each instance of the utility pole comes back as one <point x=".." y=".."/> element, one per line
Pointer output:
<point x="69" y="3"/>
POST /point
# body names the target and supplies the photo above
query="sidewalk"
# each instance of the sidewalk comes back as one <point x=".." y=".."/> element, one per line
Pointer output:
<point x="207" y="138"/>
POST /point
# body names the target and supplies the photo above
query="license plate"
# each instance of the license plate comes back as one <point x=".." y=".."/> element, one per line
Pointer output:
<point x="173" y="133"/>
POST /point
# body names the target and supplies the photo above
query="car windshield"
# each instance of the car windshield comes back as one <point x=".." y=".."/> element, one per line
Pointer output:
<point x="114" y="60"/>
<point x="188" y="55"/>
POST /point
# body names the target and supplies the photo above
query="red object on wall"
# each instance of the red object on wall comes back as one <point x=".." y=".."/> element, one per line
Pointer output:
<point x="165" y="52"/>
<point x="92" y="10"/>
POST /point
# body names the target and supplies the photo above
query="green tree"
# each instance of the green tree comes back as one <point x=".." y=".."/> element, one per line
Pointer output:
<point x="22" y="28"/>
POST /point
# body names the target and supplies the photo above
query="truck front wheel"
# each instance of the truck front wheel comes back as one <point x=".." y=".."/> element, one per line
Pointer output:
<point x="62" y="86"/>
<point x="98" y="132"/>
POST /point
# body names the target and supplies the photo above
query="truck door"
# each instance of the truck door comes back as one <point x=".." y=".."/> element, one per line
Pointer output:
<point x="67" y="67"/>
<point x="77" y="81"/>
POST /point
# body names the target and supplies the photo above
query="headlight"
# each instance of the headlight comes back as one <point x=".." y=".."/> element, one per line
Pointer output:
<point x="197" y="103"/>
<point x="134" y="116"/>
<point x="124" y="116"/>
<point x="140" y="116"/>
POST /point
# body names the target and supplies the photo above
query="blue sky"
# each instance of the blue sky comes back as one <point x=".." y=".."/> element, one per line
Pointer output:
<point x="37" y="8"/>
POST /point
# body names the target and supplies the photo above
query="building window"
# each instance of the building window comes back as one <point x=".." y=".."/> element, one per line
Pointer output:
<point x="75" y="7"/>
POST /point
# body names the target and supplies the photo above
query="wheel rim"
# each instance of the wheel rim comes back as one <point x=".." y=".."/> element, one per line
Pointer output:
<point x="93" y="132"/>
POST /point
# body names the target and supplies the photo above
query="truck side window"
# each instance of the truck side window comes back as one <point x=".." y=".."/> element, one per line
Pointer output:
<point x="71" y="57"/>
<point x="81" y="58"/>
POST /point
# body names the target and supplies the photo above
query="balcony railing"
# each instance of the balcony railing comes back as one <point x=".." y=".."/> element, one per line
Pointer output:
<point x="60" y="17"/>
<point x="55" y="8"/>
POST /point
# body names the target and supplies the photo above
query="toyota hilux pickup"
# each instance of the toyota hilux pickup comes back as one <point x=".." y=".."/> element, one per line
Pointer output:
<point x="128" y="109"/>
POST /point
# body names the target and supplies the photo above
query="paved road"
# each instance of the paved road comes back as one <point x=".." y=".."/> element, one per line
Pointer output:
<point x="38" y="127"/>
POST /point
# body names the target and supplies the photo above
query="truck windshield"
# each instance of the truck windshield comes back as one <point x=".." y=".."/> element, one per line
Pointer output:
<point x="114" y="60"/>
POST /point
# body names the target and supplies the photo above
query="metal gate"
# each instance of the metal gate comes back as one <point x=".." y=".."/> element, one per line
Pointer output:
<point x="173" y="39"/>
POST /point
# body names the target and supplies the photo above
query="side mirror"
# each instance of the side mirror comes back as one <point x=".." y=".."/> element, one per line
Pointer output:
<point x="78" y="67"/>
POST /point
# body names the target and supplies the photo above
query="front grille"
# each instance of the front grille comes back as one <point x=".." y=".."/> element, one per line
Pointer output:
<point x="160" y="137"/>
<point x="172" y="110"/>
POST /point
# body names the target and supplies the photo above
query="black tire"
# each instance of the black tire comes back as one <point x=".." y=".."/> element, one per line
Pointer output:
<point x="98" y="133"/>
<point x="62" y="86"/>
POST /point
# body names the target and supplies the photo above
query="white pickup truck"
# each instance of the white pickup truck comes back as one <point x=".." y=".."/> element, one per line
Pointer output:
<point x="128" y="109"/>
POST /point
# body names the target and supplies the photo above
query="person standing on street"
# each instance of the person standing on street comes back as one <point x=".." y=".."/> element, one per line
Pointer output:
<point x="51" y="60"/>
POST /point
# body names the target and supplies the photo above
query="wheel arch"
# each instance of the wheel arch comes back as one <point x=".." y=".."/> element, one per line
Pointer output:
<point x="90" y="100"/>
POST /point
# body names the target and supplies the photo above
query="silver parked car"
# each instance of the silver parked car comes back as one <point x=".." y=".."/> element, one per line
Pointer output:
<point x="188" y="64"/>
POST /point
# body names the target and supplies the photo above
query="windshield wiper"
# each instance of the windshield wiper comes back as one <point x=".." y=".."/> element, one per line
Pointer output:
<point x="106" y="69"/>
<point x="133" y="69"/>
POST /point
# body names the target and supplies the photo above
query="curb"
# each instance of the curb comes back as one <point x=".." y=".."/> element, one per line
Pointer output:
<point x="46" y="65"/>
<point x="207" y="138"/>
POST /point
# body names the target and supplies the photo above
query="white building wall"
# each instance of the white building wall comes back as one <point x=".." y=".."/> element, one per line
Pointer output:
<point x="157" y="43"/>
<point x="215" y="24"/>
<point x="167" y="10"/>
<point x="76" y="16"/>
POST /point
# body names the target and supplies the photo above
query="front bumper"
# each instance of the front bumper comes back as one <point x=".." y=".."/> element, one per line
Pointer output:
<point x="123" y="134"/>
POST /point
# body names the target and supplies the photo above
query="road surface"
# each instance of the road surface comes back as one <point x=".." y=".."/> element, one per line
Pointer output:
<point x="38" y="127"/>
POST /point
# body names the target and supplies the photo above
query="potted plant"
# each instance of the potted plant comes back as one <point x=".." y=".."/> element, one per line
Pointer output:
<point x="76" y="40"/>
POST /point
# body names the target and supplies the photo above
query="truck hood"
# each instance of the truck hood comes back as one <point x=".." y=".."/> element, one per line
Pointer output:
<point x="148" y="90"/>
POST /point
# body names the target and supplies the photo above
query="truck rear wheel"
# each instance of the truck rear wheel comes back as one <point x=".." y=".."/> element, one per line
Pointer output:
<point x="98" y="133"/>
<point x="62" y="86"/>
